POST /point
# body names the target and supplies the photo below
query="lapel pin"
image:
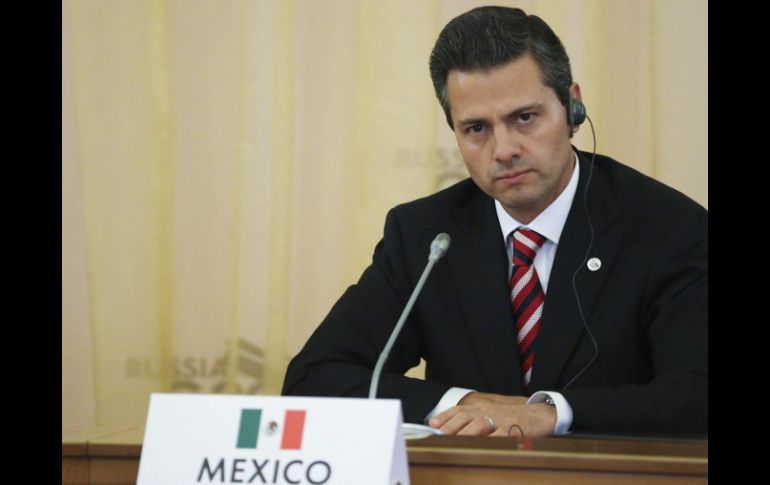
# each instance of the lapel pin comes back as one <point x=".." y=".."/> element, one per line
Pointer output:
<point x="594" y="264"/>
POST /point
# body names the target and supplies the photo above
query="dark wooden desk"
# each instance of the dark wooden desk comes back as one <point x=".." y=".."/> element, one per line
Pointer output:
<point x="462" y="460"/>
<point x="114" y="459"/>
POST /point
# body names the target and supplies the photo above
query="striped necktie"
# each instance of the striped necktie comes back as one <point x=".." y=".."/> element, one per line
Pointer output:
<point x="526" y="295"/>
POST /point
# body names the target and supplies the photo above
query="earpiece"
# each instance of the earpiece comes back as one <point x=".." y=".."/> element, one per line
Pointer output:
<point x="576" y="112"/>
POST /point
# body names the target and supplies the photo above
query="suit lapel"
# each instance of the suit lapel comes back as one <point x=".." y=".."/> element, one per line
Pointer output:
<point x="562" y="327"/>
<point x="478" y="263"/>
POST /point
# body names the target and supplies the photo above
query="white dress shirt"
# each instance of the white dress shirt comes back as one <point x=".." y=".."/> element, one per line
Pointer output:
<point x="549" y="224"/>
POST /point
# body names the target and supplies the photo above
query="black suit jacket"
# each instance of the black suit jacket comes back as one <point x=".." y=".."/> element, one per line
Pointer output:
<point x="646" y="308"/>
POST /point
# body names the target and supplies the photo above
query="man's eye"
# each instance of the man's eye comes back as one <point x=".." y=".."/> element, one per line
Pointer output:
<point x="475" y="128"/>
<point x="525" y="118"/>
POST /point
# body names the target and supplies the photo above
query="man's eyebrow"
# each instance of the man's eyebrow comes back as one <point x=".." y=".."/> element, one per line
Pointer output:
<point x="516" y="112"/>
<point x="529" y="107"/>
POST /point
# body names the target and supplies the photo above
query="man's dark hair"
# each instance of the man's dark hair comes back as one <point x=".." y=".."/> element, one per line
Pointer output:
<point x="487" y="37"/>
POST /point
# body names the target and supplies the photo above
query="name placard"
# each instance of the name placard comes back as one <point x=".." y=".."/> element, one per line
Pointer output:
<point x="202" y="439"/>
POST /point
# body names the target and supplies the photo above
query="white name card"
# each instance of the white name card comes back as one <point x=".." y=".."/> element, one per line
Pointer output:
<point x="203" y="439"/>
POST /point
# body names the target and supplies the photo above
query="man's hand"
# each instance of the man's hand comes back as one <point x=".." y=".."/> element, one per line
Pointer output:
<point x="470" y="416"/>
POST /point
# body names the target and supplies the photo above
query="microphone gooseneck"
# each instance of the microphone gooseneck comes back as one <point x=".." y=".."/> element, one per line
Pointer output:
<point x="438" y="248"/>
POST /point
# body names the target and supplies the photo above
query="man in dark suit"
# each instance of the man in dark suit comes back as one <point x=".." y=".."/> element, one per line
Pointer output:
<point x="574" y="294"/>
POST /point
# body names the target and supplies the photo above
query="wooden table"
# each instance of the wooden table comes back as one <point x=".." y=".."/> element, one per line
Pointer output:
<point x="478" y="460"/>
<point x="113" y="458"/>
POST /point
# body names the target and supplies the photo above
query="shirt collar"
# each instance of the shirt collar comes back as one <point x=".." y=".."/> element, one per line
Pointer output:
<point x="550" y="222"/>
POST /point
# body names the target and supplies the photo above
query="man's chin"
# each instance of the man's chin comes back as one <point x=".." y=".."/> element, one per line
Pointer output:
<point x="521" y="208"/>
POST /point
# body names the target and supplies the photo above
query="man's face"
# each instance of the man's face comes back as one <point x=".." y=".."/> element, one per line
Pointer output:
<point x="513" y="134"/>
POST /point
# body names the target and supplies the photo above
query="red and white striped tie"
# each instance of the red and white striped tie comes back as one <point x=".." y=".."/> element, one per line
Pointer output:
<point x="526" y="295"/>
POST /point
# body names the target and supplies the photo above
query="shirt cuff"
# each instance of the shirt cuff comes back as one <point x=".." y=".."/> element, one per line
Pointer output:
<point x="563" y="409"/>
<point x="449" y="399"/>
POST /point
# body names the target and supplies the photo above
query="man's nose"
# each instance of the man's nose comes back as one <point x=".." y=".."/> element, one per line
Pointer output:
<point x="507" y="144"/>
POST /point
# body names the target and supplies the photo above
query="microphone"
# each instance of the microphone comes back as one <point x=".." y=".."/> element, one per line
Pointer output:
<point x="438" y="248"/>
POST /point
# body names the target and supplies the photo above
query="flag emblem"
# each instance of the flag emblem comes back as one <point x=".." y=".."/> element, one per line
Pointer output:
<point x="293" y="428"/>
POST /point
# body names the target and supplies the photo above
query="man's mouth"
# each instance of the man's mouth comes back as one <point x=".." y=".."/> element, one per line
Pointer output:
<point x="513" y="176"/>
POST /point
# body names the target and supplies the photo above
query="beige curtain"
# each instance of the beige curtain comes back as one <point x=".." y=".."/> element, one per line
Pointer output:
<point x="227" y="165"/>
